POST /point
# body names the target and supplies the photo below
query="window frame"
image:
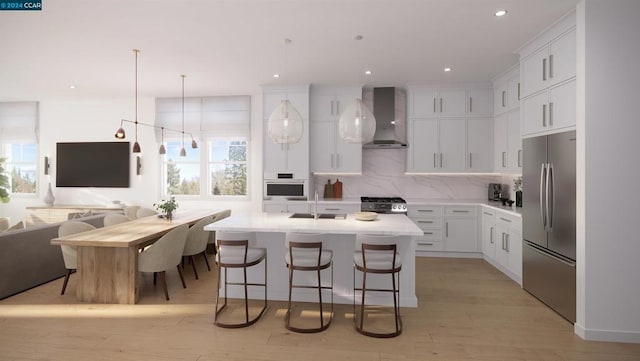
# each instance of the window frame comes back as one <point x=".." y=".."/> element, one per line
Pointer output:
<point x="9" y="163"/>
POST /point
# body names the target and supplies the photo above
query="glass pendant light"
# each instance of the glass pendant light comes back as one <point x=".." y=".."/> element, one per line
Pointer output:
<point x="357" y="124"/>
<point x="285" y="125"/>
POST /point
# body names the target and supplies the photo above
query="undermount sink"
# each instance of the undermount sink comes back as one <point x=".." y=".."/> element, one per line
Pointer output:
<point x="321" y="215"/>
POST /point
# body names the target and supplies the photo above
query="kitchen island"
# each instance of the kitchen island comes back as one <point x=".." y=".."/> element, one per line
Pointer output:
<point x="270" y="229"/>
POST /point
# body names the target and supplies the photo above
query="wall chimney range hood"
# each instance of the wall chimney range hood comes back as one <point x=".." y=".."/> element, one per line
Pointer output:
<point x="389" y="109"/>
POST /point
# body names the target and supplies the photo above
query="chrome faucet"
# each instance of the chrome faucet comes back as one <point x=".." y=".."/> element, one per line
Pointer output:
<point x="315" y="211"/>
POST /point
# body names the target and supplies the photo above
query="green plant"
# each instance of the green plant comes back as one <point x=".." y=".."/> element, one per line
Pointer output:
<point x="4" y="183"/>
<point x="517" y="184"/>
<point x="167" y="206"/>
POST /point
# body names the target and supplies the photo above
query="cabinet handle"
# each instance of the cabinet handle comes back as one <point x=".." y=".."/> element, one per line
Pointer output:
<point x="506" y="220"/>
<point x="504" y="159"/>
<point x="491" y="235"/>
<point x="544" y="115"/>
<point x="470" y="105"/>
<point x="519" y="157"/>
<point x="434" y="160"/>
<point x="504" y="96"/>
<point x="551" y="114"/>
<point x="425" y="244"/>
<point x="332" y="209"/>
<point x="503" y="241"/>
<point x="428" y="233"/>
<point x="459" y="211"/>
<point x="518" y="90"/>
<point x="488" y="214"/>
<point x="338" y="160"/>
<point x="332" y="112"/>
<point x="506" y="241"/>
<point x="429" y="222"/>
<point x="440" y="160"/>
<point x="337" y="107"/>
<point x="332" y="163"/>
<point x="446" y="229"/>
<point x="550" y="66"/>
<point x="440" y="105"/>
<point x="544" y="69"/>
<point x="470" y="160"/>
<point x="425" y="210"/>
<point x="434" y="105"/>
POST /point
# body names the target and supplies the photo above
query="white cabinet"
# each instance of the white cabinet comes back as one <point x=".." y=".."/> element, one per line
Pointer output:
<point x="426" y="102"/>
<point x="548" y="68"/>
<point x="429" y="219"/>
<point x="285" y="207"/>
<point x="479" y="102"/>
<point x="554" y="63"/>
<point x="329" y="153"/>
<point x="451" y="156"/>
<point x="500" y="132"/>
<point x="437" y="145"/>
<point x="507" y="144"/>
<point x="479" y="150"/>
<point x="460" y="229"/>
<point x="506" y="96"/>
<point x="336" y="207"/>
<point x="502" y="241"/>
<point x="286" y="158"/>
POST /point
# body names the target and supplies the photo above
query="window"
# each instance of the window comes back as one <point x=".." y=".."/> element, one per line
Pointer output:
<point x="181" y="174"/>
<point x="228" y="167"/>
<point x="20" y="166"/>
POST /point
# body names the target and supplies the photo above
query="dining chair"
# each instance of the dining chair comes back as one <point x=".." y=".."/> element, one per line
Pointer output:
<point x="196" y="243"/>
<point x="70" y="253"/>
<point x="164" y="254"/>
<point x="145" y="212"/>
<point x="237" y="250"/>
<point x="114" y="218"/>
<point x="377" y="255"/>
<point x="305" y="252"/>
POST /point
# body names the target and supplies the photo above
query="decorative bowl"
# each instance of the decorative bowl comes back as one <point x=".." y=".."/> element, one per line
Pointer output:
<point x="366" y="216"/>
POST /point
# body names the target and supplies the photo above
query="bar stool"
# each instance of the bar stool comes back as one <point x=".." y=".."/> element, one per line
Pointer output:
<point x="305" y="253"/>
<point x="234" y="251"/>
<point x="377" y="255"/>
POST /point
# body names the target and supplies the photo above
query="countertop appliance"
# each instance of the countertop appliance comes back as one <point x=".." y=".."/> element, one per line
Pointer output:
<point x="285" y="187"/>
<point x="383" y="204"/>
<point x="495" y="191"/>
<point x="549" y="221"/>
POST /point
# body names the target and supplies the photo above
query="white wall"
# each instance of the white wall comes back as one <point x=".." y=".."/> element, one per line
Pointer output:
<point x="97" y="120"/>
<point x="609" y="241"/>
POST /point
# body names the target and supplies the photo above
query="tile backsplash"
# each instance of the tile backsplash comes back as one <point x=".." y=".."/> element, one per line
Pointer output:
<point x="383" y="175"/>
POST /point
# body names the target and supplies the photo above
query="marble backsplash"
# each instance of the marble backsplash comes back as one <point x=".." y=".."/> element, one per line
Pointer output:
<point x="383" y="174"/>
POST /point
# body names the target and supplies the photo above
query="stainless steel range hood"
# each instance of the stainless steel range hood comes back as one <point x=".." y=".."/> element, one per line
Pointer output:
<point x="389" y="109"/>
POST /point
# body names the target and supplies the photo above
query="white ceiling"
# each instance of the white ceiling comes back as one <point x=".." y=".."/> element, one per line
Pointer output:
<point x="233" y="46"/>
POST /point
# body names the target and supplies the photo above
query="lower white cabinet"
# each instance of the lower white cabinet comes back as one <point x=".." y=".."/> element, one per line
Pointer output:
<point x="502" y="241"/>
<point x="335" y="207"/>
<point x="286" y="207"/>
<point x="446" y="229"/>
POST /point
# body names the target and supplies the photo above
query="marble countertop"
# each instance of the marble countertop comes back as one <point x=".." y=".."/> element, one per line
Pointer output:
<point x="385" y="224"/>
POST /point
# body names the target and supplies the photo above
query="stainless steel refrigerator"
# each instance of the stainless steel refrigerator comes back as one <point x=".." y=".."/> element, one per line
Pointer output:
<point x="549" y="221"/>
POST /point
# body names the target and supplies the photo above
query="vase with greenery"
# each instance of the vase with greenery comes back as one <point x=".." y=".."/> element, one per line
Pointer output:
<point x="167" y="207"/>
<point x="517" y="186"/>
<point x="4" y="183"/>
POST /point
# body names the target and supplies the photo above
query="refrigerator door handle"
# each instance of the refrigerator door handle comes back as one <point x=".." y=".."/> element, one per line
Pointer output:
<point x="543" y="173"/>
<point x="550" y="195"/>
<point x="547" y="199"/>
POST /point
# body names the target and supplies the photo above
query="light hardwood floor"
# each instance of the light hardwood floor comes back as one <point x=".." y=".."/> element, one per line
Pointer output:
<point x="467" y="311"/>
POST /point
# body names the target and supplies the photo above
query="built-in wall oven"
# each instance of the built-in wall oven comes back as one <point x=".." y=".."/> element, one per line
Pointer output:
<point x="285" y="188"/>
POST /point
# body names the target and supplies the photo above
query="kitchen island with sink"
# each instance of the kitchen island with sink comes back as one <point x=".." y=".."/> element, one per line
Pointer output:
<point x="270" y="229"/>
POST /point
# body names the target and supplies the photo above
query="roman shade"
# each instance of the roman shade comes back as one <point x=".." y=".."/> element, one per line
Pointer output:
<point x="19" y="122"/>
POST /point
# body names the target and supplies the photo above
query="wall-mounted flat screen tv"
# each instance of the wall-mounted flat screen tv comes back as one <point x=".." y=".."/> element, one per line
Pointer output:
<point x="95" y="164"/>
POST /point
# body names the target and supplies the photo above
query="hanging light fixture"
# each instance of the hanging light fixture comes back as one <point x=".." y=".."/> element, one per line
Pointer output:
<point x="285" y="123"/>
<point x="357" y="123"/>
<point x="162" y="150"/>
<point x="120" y="134"/>
<point x="183" y="152"/>
<point x="136" y="145"/>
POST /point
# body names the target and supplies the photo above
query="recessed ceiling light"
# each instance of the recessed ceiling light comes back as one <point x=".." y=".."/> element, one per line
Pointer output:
<point x="368" y="72"/>
<point x="276" y="75"/>
<point x="447" y="69"/>
<point x="500" y="13"/>
<point x="72" y="86"/>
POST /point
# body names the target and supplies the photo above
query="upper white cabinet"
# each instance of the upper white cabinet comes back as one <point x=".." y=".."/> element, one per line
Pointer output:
<point x="434" y="102"/>
<point x="286" y="158"/>
<point x="479" y="102"/>
<point x="506" y="96"/>
<point x="548" y="72"/>
<point x="329" y="153"/>
<point x="507" y="141"/>
<point x="436" y="145"/>
<point x="479" y="150"/>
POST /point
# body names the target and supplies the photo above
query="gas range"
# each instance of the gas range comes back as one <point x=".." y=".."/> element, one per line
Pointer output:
<point x="383" y="204"/>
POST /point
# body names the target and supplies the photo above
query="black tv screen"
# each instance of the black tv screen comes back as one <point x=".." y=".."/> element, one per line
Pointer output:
<point x="96" y="164"/>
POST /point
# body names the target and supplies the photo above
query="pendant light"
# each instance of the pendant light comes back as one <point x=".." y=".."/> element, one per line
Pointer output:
<point x="285" y="123"/>
<point x="136" y="145"/>
<point x="357" y="123"/>
<point x="183" y="152"/>
<point x="162" y="150"/>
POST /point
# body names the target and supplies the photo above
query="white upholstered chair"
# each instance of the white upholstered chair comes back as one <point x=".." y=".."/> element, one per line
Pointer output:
<point x="305" y="252"/>
<point x="145" y="212"/>
<point x="70" y="253"/>
<point x="237" y="250"/>
<point x="164" y="254"/>
<point x="115" y="218"/>
<point x="196" y="243"/>
<point x="377" y="255"/>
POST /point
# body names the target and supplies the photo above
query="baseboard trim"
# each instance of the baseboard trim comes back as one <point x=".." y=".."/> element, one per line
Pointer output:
<point x="606" y="335"/>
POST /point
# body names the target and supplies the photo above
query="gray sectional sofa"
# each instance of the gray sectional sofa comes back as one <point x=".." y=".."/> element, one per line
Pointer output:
<point x="27" y="258"/>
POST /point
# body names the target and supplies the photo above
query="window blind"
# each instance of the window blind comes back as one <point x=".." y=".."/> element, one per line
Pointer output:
<point x="19" y="122"/>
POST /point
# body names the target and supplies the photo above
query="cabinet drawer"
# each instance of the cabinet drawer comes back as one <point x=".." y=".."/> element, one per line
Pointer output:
<point x="460" y="211"/>
<point x="424" y="211"/>
<point x="428" y="223"/>
<point x="432" y="234"/>
<point x="337" y="208"/>
<point x="509" y="221"/>
<point x="428" y="245"/>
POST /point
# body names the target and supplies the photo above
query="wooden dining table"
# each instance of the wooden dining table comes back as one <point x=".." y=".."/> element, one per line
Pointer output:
<point x="107" y="270"/>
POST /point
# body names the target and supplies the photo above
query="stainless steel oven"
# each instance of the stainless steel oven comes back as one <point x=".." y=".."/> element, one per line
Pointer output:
<point x="292" y="189"/>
